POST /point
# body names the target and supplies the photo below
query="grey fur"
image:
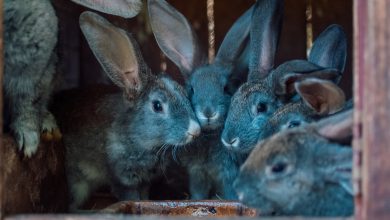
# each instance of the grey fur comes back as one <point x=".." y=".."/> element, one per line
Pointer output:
<point x="30" y="38"/>
<point x="213" y="168"/>
<point x="123" y="8"/>
<point x="301" y="172"/>
<point x="257" y="100"/>
<point x="319" y="98"/>
<point x="122" y="135"/>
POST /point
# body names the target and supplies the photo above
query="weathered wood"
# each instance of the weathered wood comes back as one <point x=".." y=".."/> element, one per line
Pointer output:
<point x="373" y="41"/>
<point x="127" y="217"/>
<point x="202" y="208"/>
<point x="1" y="113"/>
<point x="33" y="185"/>
<point x="360" y="18"/>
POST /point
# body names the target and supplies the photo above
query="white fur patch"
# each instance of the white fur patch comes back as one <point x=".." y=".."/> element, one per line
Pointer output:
<point x="193" y="128"/>
<point x="235" y="144"/>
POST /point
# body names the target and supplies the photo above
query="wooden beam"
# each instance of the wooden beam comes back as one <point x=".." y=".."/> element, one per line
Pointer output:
<point x="373" y="103"/>
<point x="1" y="111"/>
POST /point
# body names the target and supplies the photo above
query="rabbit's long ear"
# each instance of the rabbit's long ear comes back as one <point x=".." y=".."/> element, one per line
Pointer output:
<point x="323" y="96"/>
<point x="337" y="127"/>
<point x="116" y="53"/>
<point x="264" y="36"/>
<point x="123" y="8"/>
<point x="175" y="36"/>
<point x="334" y="164"/>
<point x="330" y="48"/>
<point x="235" y="40"/>
<point x="285" y="76"/>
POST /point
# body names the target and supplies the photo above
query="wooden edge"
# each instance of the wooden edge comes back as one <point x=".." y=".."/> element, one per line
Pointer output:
<point x="1" y="110"/>
<point x="128" y="217"/>
<point x="195" y="208"/>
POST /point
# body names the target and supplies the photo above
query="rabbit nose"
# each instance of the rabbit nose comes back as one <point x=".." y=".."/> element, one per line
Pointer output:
<point x="231" y="142"/>
<point x="210" y="114"/>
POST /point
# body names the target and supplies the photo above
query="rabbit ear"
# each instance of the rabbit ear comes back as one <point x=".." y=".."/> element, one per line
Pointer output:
<point x="116" y="53"/>
<point x="264" y="36"/>
<point x="235" y="40"/>
<point x="123" y="8"/>
<point x="330" y="48"/>
<point x="337" y="127"/>
<point x="323" y="96"/>
<point x="334" y="164"/>
<point x="285" y="76"/>
<point x="175" y="36"/>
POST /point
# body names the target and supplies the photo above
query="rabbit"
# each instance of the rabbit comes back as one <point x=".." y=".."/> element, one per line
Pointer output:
<point x="114" y="139"/>
<point x="30" y="58"/>
<point x="319" y="98"/>
<point x="210" y="91"/>
<point x="268" y="89"/>
<point x="301" y="171"/>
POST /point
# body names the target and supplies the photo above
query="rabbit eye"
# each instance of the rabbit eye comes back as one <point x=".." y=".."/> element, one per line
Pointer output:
<point x="279" y="167"/>
<point x="261" y="107"/>
<point x="157" y="106"/>
<point x="293" y="124"/>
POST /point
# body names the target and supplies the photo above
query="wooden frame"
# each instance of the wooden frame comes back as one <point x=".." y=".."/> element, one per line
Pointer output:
<point x="372" y="92"/>
<point x="372" y="115"/>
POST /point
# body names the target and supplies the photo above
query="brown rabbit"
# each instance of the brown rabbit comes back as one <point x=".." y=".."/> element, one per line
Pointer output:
<point x="301" y="171"/>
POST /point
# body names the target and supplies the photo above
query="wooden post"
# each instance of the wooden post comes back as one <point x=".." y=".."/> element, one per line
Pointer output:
<point x="1" y="109"/>
<point x="372" y="92"/>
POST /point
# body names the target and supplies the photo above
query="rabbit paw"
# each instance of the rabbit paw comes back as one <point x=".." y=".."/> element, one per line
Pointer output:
<point x="27" y="138"/>
<point x="50" y="131"/>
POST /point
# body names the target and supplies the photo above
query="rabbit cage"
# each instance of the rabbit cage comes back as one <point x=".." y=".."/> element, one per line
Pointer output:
<point x="38" y="184"/>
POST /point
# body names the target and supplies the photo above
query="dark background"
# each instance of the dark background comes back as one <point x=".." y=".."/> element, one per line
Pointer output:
<point x="80" y="68"/>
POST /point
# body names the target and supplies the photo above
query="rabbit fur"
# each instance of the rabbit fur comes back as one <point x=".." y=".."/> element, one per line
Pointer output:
<point x="119" y="135"/>
<point x="30" y="38"/>
<point x="301" y="171"/>
<point x="257" y="100"/>
<point x="210" y="89"/>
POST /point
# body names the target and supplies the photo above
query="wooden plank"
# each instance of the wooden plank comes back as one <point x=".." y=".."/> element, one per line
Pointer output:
<point x="374" y="91"/>
<point x="360" y="28"/>
<point x="128" y="217"/>
<point x="1" y="113"/>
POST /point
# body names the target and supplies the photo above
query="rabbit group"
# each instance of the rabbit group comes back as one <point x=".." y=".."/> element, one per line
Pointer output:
<point x="211" y="167"/>
<point x="286" y="174"/>
<point x="115" y="138"/>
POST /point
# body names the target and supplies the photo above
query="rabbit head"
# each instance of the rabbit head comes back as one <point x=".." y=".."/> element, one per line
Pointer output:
<point x="123" y="8"/>
<point x="301" y="171"/>
<point x="268" y="89"/>
<point x="208" y="84"/>
<point x="157" y="108"/>
<point x="319" y="98"/>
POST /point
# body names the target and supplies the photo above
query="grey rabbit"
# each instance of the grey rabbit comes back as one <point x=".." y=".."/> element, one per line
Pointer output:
<point x="319" y="98"/>
<point x="269" y="89"/>
<point x="210" y="89"/>
<point x="114" y="139"/>
<point x="302" y="171"/>
<point x="30" y="38"/>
